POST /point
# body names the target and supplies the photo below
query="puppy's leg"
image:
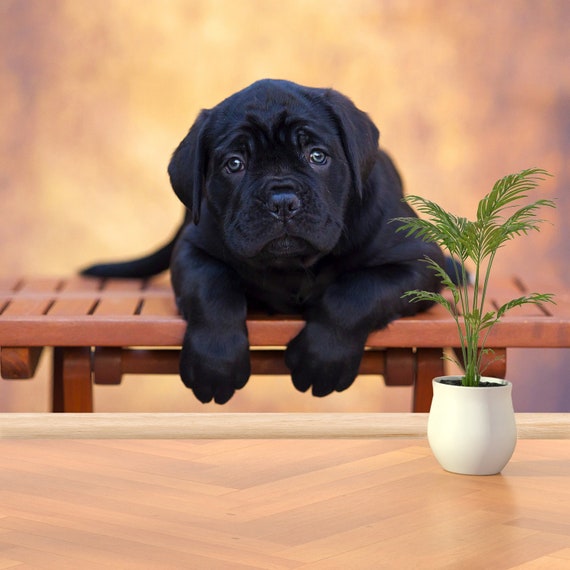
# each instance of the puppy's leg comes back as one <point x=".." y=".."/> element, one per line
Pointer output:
<point x="324" y="358"/>
<point x="215" y="354"/>
<point x="326" y="354"/>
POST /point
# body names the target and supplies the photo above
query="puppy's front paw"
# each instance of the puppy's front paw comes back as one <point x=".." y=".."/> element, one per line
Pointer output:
<point x="213" y="365"/>
<point x="320" y="358"/>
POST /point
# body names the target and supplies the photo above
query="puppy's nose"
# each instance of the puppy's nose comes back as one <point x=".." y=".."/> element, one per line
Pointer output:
<point x="283" y="205"/>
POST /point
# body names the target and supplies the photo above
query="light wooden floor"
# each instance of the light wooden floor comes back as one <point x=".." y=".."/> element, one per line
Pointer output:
<point x="277" y="504"/>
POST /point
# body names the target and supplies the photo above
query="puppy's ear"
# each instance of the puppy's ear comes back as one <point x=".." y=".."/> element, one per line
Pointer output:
<point x="187" y="168"/>
<point x="359" y="136"/>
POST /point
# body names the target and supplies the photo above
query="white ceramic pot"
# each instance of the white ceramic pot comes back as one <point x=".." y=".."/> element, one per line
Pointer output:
<point x="472" y="430"/>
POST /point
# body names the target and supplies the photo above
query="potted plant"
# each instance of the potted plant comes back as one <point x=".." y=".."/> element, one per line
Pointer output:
<point x="471" y="425"/>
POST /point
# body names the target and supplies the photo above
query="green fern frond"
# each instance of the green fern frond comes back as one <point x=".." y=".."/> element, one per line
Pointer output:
<point x="439" y="227"/>
<point x="500" y="218"/>
<point x="441" y="273"/>
<point x="509" y="189"/>
<point x="533" y="298"/>
<point x="417" y="296"/>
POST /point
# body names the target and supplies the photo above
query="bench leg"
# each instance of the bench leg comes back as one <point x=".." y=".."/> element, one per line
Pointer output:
<point x="429" y="365"/>
<point x="17" y="363"/>
<point x="72" y="386"/>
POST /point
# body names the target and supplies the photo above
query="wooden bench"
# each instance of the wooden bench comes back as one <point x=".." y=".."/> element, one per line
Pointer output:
<point x="102" y="329"/>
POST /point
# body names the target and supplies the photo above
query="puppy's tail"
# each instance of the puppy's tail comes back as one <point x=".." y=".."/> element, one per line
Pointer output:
<point x="147" y="266"/>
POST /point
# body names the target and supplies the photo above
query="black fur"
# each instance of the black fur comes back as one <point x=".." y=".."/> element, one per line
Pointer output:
<point x="289" y="201"/>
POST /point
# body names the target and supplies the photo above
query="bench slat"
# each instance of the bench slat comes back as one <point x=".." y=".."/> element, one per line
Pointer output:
<point x="161" y="306"/>
<point x="123" y="285"/>
<point x="9" y="284"/>
<point x="72" y="307"/>
<point x="142" y="313"/>
<point x="123" y="306"/>
<point x="78" y="283"/>
<point x="41" y="284"/>
<point x="26" y="307"/>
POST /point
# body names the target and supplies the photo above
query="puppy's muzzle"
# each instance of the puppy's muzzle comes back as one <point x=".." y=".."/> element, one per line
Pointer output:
<point x="281" y="198"/>
<point x="283" y="204"/>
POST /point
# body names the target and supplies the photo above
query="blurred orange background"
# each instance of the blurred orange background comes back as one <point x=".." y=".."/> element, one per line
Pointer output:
<point x="96" y="95"/>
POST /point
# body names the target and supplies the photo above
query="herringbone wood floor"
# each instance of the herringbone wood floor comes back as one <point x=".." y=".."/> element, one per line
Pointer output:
<point x="277" y="504"/>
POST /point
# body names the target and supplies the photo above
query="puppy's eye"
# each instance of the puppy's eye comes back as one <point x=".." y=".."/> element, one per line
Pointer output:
<point x="234" y="164"/>
<point x="318" y="157"/>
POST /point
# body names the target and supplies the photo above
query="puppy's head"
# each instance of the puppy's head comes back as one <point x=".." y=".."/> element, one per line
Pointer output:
<point x="276" y="165"/>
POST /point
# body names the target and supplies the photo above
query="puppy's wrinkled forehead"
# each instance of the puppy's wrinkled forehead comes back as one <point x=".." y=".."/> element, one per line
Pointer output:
<point x="272" y="113"/>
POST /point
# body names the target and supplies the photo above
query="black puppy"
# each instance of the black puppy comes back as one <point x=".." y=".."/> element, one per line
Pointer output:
<point x="288" y="202"/>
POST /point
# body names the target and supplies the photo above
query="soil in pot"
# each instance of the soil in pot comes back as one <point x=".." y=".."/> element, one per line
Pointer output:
<point x="482" y="383"/>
